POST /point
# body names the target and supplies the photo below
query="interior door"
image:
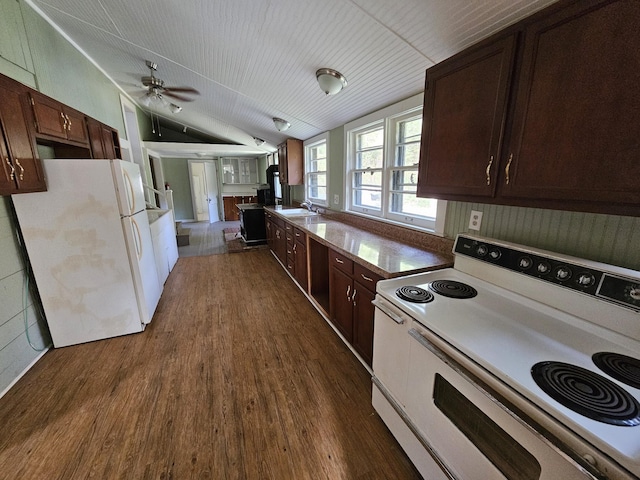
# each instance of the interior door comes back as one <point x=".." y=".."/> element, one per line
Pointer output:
<point x="211" y="182"/>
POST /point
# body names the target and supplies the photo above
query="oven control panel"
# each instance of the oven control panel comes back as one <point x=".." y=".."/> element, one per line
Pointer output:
<point x="591" y="281"/>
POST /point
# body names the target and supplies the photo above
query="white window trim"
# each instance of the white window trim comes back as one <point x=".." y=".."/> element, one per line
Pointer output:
<point x="308" y="144"/>
<point x="387" y="116"/>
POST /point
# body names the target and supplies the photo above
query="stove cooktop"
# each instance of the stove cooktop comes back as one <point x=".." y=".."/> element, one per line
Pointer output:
<point x="507" y="329"/>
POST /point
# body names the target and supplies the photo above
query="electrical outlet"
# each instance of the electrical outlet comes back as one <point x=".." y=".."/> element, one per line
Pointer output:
<point x="475" y="220"/>
<point x="336" y="199"/>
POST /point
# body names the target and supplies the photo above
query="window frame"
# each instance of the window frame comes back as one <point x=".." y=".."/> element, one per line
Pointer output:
<point x="308" y="145"/>
<point x="389" y="117"/>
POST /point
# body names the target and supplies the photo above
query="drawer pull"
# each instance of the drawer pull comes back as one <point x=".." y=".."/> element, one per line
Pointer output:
<point x="21" y="176"/>
<point x="489" y="170"/>
<point x="338" y="260"/>
<point x="64" y="120"/>
<point x="12" y="175"/>
<point x="366" y="278"/>
<point x="506" y="169"/>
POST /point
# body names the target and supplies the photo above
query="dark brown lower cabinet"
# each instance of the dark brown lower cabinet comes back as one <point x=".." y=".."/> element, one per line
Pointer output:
<point x="352" y="288"/>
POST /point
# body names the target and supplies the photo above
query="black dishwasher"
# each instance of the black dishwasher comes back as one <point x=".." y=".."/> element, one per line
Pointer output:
<point x="252" y="225"/>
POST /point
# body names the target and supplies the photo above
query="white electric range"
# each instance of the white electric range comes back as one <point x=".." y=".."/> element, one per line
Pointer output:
<point x="515" y="363"/>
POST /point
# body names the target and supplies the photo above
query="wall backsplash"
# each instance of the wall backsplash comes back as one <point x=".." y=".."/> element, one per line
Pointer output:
<point x="605" y="238"/>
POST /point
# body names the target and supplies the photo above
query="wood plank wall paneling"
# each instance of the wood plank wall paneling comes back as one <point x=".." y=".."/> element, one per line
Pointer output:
<point x="237" y="377"/>
<point x="604" y="238"/>
<point x="15" y="352"/>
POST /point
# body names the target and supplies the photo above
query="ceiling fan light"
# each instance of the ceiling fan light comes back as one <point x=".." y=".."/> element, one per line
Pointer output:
<point x="330" y="81"/>
<point x="145" y="100"/>
<point x="281" y="124"/>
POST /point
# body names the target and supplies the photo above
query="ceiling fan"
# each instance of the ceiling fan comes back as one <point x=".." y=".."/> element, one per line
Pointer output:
<point x="156" y="90"/>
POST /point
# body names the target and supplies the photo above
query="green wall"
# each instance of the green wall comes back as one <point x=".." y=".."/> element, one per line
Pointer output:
<point x="176" y="174"/>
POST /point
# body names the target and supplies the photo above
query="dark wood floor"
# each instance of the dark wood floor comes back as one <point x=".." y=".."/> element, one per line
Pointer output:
<point x="238" y="377"/>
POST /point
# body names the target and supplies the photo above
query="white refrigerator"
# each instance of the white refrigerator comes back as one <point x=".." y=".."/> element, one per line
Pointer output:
<point x="89" y="244"/>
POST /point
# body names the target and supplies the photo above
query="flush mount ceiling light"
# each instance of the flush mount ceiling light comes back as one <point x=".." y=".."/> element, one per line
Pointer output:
<point x="258" y="141"/>
<point x="281" y="124"/>
<point x="330" y="81"/>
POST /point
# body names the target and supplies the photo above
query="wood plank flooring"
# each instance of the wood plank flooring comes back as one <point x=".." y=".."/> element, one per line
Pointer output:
<point x="237" y="377"/>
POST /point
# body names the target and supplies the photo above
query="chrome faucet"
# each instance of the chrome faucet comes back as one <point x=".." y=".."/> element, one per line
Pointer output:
<point x="307" y="204"/>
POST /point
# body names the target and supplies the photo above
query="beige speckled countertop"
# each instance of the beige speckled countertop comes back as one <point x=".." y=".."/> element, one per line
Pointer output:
<point x="383" y="255"/>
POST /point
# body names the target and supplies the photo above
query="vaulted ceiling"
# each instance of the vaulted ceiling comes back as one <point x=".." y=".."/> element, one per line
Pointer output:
<point x="252" y="60"/>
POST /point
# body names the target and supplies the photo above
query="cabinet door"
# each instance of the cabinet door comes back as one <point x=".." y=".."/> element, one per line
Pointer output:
<point x="19" y="160"/>
<point x="300" y="268"/>
<point x="108" y="142"/>
<point x="94" y="129"/>
<point x="575" y="127"/>
<point x="363" y="312"/>
<point x="282" y="163"/>
<point x="341" y="289"/>
<point x="50" y="119"/>
<point x="464" y="118"/>
<point x="76" y="129"/>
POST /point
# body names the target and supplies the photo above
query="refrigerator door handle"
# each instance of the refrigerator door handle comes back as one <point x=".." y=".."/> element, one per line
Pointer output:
<point x="131" y="198"/>
<point x="137" y="237"/>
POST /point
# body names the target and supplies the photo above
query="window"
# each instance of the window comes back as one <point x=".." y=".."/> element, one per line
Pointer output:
<point x="383" y="151"/>
<point x="367" y="171"/>
<point x="316" y="169"/>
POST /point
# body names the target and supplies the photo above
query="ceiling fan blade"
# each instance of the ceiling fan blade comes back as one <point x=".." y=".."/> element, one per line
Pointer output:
<point x="182" y="90"/>
<point x="169" y="93"/>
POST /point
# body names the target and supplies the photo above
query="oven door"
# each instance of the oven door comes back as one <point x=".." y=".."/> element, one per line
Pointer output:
<point x="475" y="435"/>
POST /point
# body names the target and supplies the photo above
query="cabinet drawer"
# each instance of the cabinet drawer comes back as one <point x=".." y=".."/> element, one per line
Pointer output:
<point x="290" y="239"/>
<point x="365" y="277"/>
<point x="288" y="228"/>
<point x="299" y="235"/>
<point x="340" y="261"/>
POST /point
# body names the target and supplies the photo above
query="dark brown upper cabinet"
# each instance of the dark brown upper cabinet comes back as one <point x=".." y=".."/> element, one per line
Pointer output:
<point x="57" y="121"/>
<point x="290" y="162"/>
<point x="21" y="170"/>
<point x="570" y="135"/>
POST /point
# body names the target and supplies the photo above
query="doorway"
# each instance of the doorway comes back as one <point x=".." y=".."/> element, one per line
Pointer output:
<point x="204" y="191"/>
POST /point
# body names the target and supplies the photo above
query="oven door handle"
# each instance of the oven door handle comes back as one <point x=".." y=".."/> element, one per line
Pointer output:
<point x="384" y="309"/>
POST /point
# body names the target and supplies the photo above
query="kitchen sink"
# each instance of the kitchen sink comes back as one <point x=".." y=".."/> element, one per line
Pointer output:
<point x="296" y="212"/>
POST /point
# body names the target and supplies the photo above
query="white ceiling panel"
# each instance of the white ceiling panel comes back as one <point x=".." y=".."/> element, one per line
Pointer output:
<point x="252" y="60"/>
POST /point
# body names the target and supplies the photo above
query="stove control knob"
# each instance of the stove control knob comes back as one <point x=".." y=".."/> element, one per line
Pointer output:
<point x="482" y="250"/>
<point x="543" y="268"/>
<point x="634" y="293"/>
<point x="495" y="254"/>
<point x="563" y="273"/>
<point x="525" y="263"/>
<point x="586" y="279"/>
<point x="590" y="460"/>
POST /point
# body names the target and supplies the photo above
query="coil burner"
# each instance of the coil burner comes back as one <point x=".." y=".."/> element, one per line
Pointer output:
<point x="587" y="393"/>
<point x="414" y="294"/>
<point x="621" y="367"/>
<point x="453" y="289"/>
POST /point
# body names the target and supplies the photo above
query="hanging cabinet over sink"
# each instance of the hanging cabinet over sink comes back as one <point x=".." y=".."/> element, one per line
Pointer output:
<point x="544" y="114"/>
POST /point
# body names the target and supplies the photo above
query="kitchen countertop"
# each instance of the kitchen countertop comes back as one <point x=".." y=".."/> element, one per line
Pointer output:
<point x="382" y="255"/>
